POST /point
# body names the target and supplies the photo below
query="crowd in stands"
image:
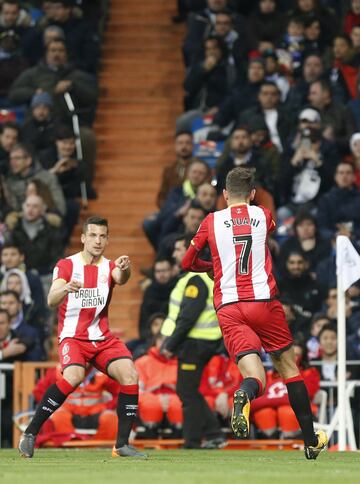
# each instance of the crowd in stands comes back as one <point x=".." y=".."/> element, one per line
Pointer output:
<point x="49" y="59"/>
<point x="269" y="84"/>
<point x="272" y="85"/>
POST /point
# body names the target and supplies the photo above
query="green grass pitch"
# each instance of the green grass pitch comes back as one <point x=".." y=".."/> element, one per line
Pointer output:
<point x="179" y="466"/>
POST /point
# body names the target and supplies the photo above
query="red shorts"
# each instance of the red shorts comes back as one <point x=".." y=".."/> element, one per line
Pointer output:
<point x="249" y="326"/>
<point x="98" y="353"/>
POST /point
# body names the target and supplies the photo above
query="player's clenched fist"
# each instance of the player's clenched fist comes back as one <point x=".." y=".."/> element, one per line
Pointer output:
<point x="123" y="262"/>
<point x="73" y="286"/>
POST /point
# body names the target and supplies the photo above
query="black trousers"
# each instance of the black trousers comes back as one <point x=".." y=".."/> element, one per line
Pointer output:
<point x="199" y="420"/>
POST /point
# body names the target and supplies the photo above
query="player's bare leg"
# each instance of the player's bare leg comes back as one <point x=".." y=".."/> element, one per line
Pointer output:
<point x="285" y="364"/>
<point x="124" y="372"/>
<point x="53" y="398"/>
<point x="252" y="370"/>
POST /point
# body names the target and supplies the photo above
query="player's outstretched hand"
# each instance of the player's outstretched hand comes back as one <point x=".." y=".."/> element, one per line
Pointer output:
<point x="123" y="262"/>
<point x="73" y="286"/>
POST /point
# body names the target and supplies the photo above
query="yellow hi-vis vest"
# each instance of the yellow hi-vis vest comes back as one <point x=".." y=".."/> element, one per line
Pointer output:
<point x="207" y="326"/>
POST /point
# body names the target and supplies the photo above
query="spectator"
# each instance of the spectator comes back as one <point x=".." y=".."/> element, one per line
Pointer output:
<point x="61" y="160"/>
<point x="274" y="74"/>
<point x="207" y="83"/>
<point x="307" y="241"/>
<point x="177" y="200"/>
<point x="200" y="26"/>
<point x="312" y="70"/>
<point x="206" y="196"/>
<point x="9" y="136"/>
<point x="174" y="174"/>
<point x="14" y="18"/>
<point x="351" y="311"/>
<point x="299" y="291"/>
<point x="352" y="17"/>
<point x="355" y="41"/>
<point x="319" y="320"/>
<point x="12" y="258"/>
<point x="307" y="171"/>
<point x="156" y="295"/>
<point x="293" y="43"/>
<point x="243" y="96"/>
<point x="157" y="384"/>
<point x="237" y="49"/>
<point x="12" y="348"/>
<point x="274" y="115"/>
<point x="339" y="209"/>
<point x="56" y="76"/>
<point x="37" y="187"/>
<point x="40" y="242"/>
<point x="344" y="70"/>
<point x="12" y="63"/>
<point x="140" y="346"/>
<point x="16" y="280"/>
<point x="53" y="32"/>
<point x="314" y="8"/>
<point x="10" y="302"/>
<point x="187" y="224"/>
<point x="12" y="15"/>
<point x="24" y="169"/>
<point x="265" y="23"/>
<point x="243" y="154"/>
<point x="337" y="121"/>
<point x="313" y="36"/>
<point x="39" y="129"/>
<point x="82" y="42"/>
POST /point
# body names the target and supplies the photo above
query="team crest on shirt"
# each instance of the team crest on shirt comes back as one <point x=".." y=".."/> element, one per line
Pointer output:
<point x="66" y="349"/>
<point x="103" y="278"/>
<point x="191" y="291"/>
<point x="66" y="359"/>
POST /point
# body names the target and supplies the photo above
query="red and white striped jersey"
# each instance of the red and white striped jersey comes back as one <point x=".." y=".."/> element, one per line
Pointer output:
<point x="84" y="314"/>
<point x="237" y="237"/>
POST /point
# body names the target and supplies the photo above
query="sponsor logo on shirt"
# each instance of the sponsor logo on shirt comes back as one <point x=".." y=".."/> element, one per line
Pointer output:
<point x="90" y="298"/>
<point x="66" y="359"/>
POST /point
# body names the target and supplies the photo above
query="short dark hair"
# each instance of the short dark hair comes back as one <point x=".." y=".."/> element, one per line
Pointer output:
<point x="296" y="20"/>
<point x="162" y="259"/>
<point x="64" y="132"/>
<point x="27" y="149"/>
<point x="344" y="37"/>
<point x="3" y="311"/>
<point x="301" y="216"/>
<point x="9" y="125"/>
<point x="271" y="84"/>
<point x="95" y="220"/>
<point x="12" y="2"/>
<point x="240" y="181"/>
<point x="10" y="292"/>
<point x="327" y="327"/>
<point x="318" y="317"/>
<point x="220" y="42"/>
<point x="12" y="245"/>
<point x="196" y="205"/>
<point x="324" y="84"/>
<point x="184" y="131"/>
<point x="187" y="238"/>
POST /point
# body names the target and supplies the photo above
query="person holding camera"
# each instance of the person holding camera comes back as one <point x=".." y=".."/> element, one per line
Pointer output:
<point x="308" y="166"/>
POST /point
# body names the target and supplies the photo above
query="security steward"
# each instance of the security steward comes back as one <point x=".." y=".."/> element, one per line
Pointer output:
<point x="193" y="334"/>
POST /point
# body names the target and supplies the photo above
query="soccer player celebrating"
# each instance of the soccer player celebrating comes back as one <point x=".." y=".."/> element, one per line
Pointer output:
<point x="245" y="292"/>
<point x="81" y="289"/>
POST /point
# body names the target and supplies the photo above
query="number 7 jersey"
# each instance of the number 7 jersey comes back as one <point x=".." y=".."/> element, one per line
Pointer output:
<point x="237" y="237"/>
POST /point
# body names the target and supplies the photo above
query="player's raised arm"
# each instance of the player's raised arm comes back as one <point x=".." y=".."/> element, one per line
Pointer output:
<point x="59" y="290"/>
<point x="121" y="273"/>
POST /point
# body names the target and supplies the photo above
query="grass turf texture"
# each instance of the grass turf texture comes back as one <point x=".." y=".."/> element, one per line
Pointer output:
<point x="179" y="466"/>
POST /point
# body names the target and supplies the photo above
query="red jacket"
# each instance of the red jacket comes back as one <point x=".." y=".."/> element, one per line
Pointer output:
<point x="157" y="374"/>
<point x="220" y="375"/>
